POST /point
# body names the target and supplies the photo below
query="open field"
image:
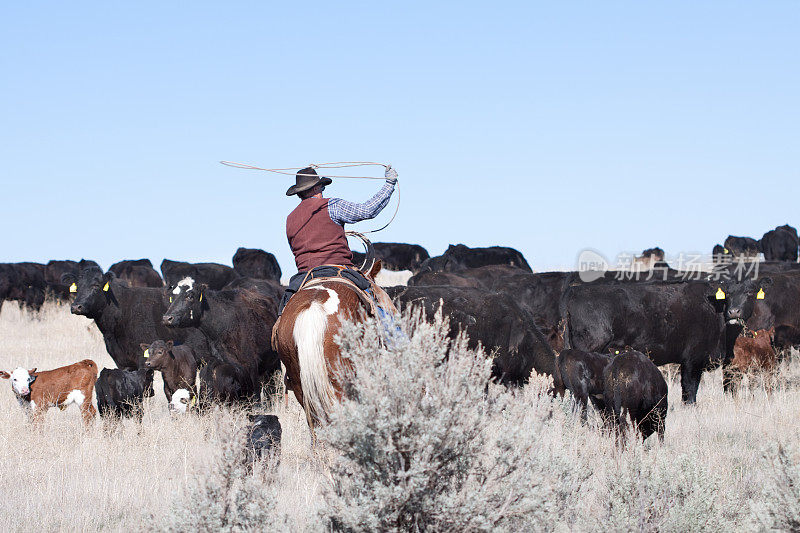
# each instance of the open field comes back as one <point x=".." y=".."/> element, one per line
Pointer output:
<point x="715" y="471"/>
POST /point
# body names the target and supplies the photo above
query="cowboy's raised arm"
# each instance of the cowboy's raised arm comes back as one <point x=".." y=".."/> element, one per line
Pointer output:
<point x="343" y="212"/>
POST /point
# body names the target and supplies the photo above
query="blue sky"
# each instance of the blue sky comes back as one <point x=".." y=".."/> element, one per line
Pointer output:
<point x="547" y="126"/>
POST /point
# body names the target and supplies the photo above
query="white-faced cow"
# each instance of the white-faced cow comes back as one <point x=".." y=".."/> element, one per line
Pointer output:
<point x="237" y="323"/>
<point x="183" y="401"/>
<point x="36" y="392"/>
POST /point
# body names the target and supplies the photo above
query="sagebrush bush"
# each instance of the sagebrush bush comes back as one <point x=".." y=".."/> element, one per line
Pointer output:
<point x="780" y="507"/>
<point x="424" y="442"/>
<point x="231" y="496"/>
<point x="660" y="491"/>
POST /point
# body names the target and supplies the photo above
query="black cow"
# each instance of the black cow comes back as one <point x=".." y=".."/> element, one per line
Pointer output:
<point x="674" y="322"/>
<point x="214" y="275"/>
<point x="128" y="316"/>
<point x="263" y="437"/>
<point x="633" y="386"/>
<point x="226" y="382"/>
<point x="742" y="246"/>
<point x="237" y="323"/>
<point x="23" y="283"/>
<point x="493" y="319"/>
<point x="120" y="392"/>
<point x="766" y="302"/>
<point x="538" y="293"/>
<point x="780" y="244"/>
<point x="396" y="256"/>
<point x="720" y="254"/>
<point x="458" y="257"/>
<point x="54" y="272"/>
<point x="581" y="373"/>
<point x="137" y="272"/>
<point x="444" y="279"/>
<point x="266" y="287"/>
<point x="257" y="264"/>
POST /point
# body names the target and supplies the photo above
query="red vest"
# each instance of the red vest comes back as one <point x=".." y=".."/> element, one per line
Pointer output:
<point x="315" y="239"/>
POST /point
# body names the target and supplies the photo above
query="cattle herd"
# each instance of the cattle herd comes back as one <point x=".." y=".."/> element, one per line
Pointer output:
<point x="207" y="327"/>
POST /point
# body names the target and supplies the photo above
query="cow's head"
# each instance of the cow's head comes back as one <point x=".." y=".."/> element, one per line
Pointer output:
<point x="21" y="380"/>
<point x="740" y="297"/>
<point x="182" y="401"/>
<point x="91" y="288"/>
<point x="158" y="354"/>
<point x="186" y="304"/>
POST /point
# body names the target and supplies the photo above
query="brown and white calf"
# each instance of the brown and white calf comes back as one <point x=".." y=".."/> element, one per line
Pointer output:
<point x="36" y="391"/>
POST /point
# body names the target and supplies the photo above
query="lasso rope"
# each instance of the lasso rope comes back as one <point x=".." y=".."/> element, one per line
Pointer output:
<point x="292" y="171"/>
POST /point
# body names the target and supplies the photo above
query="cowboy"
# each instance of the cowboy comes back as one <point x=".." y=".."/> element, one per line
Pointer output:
<point x="315" y="228"/>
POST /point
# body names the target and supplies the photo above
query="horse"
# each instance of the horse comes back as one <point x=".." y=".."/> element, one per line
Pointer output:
<point x="304" y="337"/>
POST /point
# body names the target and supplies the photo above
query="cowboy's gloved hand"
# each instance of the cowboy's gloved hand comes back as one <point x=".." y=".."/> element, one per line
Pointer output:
<point x="391" y="175"/>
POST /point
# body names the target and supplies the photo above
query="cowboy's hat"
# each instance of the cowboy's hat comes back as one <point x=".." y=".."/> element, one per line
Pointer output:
<point x="306" y="179"/>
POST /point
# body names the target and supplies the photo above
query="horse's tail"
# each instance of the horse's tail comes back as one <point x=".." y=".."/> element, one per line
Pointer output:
<point x="309" y="337"/>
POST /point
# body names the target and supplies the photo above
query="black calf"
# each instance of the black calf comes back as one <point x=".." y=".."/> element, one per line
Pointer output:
<point x="120" y="392"/>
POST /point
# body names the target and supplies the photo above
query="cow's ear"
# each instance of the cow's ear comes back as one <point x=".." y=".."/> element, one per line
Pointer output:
<point x="108" y="277"/>
<point x="32" y="371"/>
<point x="144" y="346"/>
<point x="766" y="282"/>
<point x="170" y="344"/>
<point x="201" y="288"/>
<point x="4" y="374"/>
<point x="68" y="278"/>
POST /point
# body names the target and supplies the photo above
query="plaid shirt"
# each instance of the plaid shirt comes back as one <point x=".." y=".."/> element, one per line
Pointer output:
<point x="343" y="212"/>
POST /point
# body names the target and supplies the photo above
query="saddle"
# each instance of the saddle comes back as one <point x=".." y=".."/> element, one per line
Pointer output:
<point x="363" y="287"/>
<point x="375" y="300"/>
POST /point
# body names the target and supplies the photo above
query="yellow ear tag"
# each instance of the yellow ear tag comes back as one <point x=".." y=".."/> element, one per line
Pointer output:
<point x="105" y="287"/>
<point x="73" y="288"/>
<point x="170" y="299"/>
<point x="201" y="296"/>
<point x="194" y="401"/>
<point x="146" y="354"/>
<point x="616" y="352"/>
<point x="760" y="294"/>
<point x="720" y="294"/>
<point x="726" y="251"/>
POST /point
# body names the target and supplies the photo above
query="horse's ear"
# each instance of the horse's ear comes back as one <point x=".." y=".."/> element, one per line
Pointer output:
<point x="375" y="269"/>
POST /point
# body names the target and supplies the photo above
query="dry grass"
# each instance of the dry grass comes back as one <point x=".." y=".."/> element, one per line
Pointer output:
<point x="62" y="477"/>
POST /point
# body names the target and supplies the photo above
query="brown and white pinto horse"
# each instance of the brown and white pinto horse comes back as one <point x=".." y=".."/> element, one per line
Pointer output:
<point x="304" y="338"/>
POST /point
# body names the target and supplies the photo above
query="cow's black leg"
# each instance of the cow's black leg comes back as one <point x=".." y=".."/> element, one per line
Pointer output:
<point x="690" y="381"/>
<point x="729" y="381"/>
